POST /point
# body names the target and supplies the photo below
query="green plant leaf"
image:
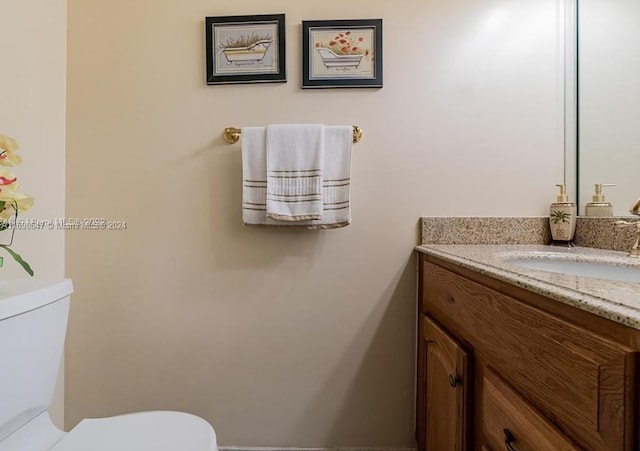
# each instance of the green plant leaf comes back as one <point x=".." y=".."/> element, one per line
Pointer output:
<point x="19" y="259"/>
<point x="559" y="215"/>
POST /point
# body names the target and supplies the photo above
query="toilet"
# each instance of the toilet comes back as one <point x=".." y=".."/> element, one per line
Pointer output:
<point x="33" y="322"/>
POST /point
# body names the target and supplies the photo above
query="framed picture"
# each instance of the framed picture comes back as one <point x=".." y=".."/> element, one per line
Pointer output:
<point x="342" y="53"/>
<point x="245" y="49"/>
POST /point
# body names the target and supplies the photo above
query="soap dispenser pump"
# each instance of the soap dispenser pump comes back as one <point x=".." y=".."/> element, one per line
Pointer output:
<point x="562" y="219"/>
<point x="598" y="206"/>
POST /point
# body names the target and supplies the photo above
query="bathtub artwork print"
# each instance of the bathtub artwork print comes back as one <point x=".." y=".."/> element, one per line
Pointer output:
<point x="245" y="49"/>
<point x="342" y="53"/>
<point x="345" y="52"/>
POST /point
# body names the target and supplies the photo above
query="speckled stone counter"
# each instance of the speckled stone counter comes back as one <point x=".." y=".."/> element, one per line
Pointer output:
<point x="617" y="301"/>
<point x="590" y="231"/>
<point x="603" y="234"/>
<point x="485" y="230"/>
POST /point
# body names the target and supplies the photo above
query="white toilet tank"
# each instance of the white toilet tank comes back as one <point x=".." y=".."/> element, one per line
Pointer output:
<point x="33" y="321"/>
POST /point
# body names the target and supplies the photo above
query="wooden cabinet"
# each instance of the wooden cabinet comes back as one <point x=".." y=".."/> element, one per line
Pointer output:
<point x="445" y="393"/>
<point x="535" y="374"/>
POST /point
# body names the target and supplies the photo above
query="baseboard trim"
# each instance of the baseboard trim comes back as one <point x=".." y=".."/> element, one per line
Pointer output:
<point x="350" y="448"/>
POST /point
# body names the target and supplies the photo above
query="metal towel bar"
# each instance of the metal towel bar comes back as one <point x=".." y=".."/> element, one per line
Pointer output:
<point x="232" y="134"/>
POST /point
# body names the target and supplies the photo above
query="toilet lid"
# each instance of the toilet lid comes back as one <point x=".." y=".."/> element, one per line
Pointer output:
<point x="144" y="431"/>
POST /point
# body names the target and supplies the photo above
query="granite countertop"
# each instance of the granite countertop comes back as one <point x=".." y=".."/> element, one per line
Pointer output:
<point x="614" y="300"/>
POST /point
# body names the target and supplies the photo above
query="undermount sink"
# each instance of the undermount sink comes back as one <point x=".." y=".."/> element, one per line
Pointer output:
<point x="610" y="268"/>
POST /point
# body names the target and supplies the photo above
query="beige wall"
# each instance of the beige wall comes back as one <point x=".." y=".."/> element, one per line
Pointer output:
<point x="282" y="338"/>
<point x="32" y="110"/>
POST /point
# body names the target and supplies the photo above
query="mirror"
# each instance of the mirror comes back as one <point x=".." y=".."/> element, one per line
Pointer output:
<point x="608" y="101"/>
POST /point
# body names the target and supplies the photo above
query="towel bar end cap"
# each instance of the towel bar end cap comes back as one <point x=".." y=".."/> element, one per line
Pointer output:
<point x="231" y="135"/>
<point x="357" y="134"/>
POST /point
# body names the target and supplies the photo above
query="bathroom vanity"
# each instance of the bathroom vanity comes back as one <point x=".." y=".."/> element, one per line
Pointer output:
<point x="520" y="359"/>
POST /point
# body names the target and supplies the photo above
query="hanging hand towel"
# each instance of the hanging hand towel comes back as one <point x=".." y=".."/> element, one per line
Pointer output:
<point x="295" y="157"/>
<point x="335" y="185"/>
<point x="254" y="176"/>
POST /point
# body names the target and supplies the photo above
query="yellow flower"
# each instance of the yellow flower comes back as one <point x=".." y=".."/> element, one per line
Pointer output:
<point x="11" y="201"/>
<point x="10" y="198"/>
<point x="19" y="200"/>
<point x="8" y="147"/>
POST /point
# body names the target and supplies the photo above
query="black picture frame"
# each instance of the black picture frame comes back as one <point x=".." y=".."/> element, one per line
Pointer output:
<point x="245" y="49"/>
<point x="342" y="53"/>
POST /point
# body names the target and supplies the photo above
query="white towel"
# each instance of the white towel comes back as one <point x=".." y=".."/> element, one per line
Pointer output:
<point x="336" y="181"/>
<point x="254" y="175"/>
<point x="295" y="156"/>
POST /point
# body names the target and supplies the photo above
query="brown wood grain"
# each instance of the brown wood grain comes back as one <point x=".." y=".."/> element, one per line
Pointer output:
<point x="446" y="406"/>
<point x="583" y="382"/>
<point x="602" y="326"/>
<point x="504" y="410"/>
<point x="420" y="388"/>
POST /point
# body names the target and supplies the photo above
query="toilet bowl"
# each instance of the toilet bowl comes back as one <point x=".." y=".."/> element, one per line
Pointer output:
<point x="33" y="321"/>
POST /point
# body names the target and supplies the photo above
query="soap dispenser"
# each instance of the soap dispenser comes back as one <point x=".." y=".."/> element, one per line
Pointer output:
<point x="598" y="206"/>
<point x="562" y="219"/>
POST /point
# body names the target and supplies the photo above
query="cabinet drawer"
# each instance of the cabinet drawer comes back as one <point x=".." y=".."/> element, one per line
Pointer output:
<point x="579" y="380"/>
<point x="507" y="420"/>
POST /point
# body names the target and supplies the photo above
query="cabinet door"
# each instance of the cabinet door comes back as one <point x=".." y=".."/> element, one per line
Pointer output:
<point x="446" y="389"/>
